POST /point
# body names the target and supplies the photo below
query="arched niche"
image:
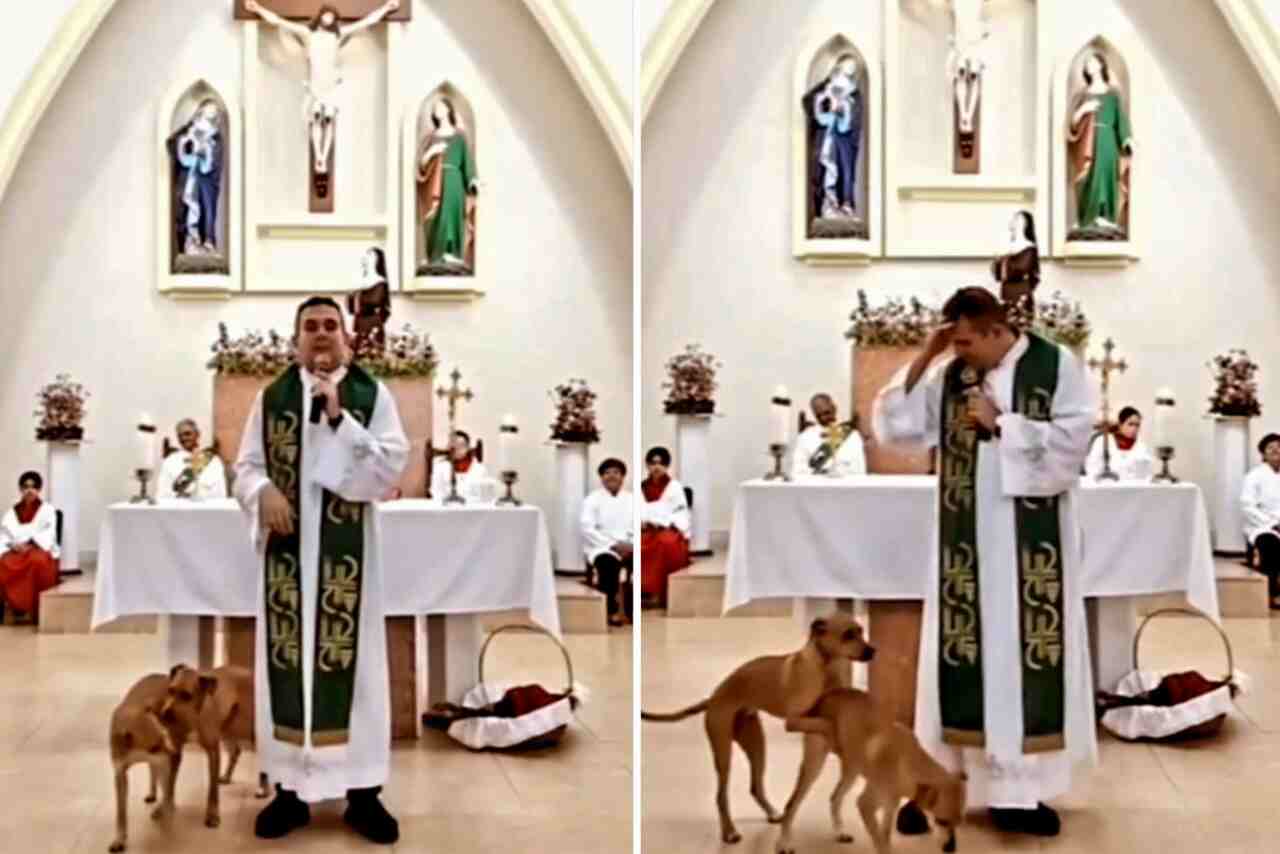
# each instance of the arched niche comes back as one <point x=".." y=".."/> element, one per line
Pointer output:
<point x="1098" y="189"/>
<point x="834" y="222"/>
<point x="198" y="167"/>
<point x="442" y="205"/>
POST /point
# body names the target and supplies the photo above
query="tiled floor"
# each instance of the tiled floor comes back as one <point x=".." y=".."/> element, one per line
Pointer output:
<point x="1218" y="796"/>
<point x="56" y="698"/>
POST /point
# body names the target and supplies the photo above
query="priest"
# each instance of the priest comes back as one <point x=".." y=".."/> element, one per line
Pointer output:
<point x="1003" y="689"/>
<point x="607" y="523"/>
<point x="462" y="459"/>
<point x="828" y="447"/>
<point x="191" y="471"/>
<point x="322" y="441"/>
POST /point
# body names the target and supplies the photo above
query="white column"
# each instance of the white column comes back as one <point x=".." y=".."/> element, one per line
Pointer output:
<point x="693" y="464"/>
<point x="1113" y="621"/>
<point x="572" y="478"/>
<point x="63" y="492"/>
<point x="1231" y="454"/>
<point x="453" y="657"/>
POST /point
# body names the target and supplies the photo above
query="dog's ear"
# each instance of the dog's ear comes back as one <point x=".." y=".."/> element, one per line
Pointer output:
<point x="175" y="670"/>
<point x="818" y="627"/>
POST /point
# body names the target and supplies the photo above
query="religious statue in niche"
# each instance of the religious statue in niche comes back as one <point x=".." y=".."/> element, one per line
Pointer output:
<point x="1100" y="148"/>
<point x="965" y="65"/>
<point x="1018" y="270"/>
<point x="370" y="307"/>
<point x="322" y="39"/>
<point x="833" y="109"/>
<point x="197" y="159"/>
<point x="447" y="190"/>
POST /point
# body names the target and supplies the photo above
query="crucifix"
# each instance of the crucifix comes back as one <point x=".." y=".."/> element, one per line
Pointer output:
<point x="1105" y="367"/>
<point x="322" y="37"/>
<point x="452" y="394"/>
<point x="964" y="70"/>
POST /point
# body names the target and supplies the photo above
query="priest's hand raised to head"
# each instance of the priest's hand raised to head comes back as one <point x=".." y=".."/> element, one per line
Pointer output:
<point x="275" y="511"/>
<point x="939" y="340"/>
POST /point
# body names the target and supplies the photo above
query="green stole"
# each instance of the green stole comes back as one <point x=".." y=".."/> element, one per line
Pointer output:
<point x="1039" y="551"/>
<point x="341" y="573"/>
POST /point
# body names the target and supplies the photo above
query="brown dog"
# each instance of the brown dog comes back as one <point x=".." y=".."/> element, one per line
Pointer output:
<point x="785" y="686"/>
<point x="159" y="714"/>
<point x="872" y="744"/>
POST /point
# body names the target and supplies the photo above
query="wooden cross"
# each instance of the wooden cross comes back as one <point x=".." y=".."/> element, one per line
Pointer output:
<point x="454" y="394"/>
<point x="1105" y="367"/>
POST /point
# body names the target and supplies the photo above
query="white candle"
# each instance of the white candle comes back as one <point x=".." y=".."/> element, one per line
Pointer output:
<point x="146" y="443"/>
<point x="1162" y="435"/>
<point x="506" y="440"/>
<point x="781" y="416"/>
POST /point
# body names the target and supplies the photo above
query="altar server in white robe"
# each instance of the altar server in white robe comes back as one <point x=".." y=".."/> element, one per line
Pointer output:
<point x="1131" y="459"/>
<point x="839" y="443"/>
<point x="204" y="467"/>
<point x="1260" y="501"/>
<point x="665" y="525"/>
<point x="1012" y="709"/>
<point x="322" y="441"/>
<point x="462" y="459"/>
<point x="608" y="523"/>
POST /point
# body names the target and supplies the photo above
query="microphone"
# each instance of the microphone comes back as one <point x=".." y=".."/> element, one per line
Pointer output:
<point x="320" y="401"/>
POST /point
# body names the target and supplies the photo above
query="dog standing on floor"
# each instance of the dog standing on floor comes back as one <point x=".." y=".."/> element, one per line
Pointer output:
<point x="785" y="686"/>
<point x="872" y="745"/>
<point x="154" y="721"/>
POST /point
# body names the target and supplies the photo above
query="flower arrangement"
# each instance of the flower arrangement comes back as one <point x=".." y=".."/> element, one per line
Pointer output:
<point x="408" y="353"/>
<point x="691" y="382"/>
<point x="61" y="411"/>
<point x="907" y="323"/>
<point x="1235" y="385"/>
<point x="575" y="413"/>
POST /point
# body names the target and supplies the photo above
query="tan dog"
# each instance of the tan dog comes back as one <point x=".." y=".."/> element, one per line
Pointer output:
<point x="155" y="720"/>
<point x="785" y="686"/>
<point x="871" y="744"/>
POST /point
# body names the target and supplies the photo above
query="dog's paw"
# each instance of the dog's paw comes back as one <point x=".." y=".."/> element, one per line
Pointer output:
<point x="224" y="781"/>
<point x="732" y="837"/>
<point x="212" y="821"/>
<point x="844" y="838"/>
<point x="149" y="799"/>
<point x="116" y="847"/>
<point x="160" y="812"/>
<point x="774" y="817"/>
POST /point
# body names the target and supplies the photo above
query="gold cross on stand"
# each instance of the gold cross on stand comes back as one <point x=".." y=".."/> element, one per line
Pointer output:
<point x="1105" y="367"/>
<point x="453" y="394"/>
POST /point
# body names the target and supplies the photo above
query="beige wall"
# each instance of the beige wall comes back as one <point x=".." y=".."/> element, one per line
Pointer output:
<point x="716" y="228"/>
<point x="77" y="232"/>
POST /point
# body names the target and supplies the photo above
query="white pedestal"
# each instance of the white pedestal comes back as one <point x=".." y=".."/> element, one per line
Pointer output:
<point x="63" y="493"/>
<point x="453" y="657"/>
<point x="1113" y="621"/>
<point x="1231" y="454"/>
<point x="571" y="488"/>
<point x="693" y="462"/>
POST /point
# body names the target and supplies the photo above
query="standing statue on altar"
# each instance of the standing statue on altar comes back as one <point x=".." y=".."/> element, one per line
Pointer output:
<point x="833" y="109"/>
<point x="829" y="447"/>
<point x="370" y="306"/>
<point x="1131" y="459"/>
<point x="322" y="441"/>
<point x="1004" y="688"/>
<point x="1100" y="142"/>
<point x="665" y="524"/>
<point x="322" y="39"/>
<point x="198" y="149"/>
<point x="1018" y="270"/>
<point x="447" y="189"/>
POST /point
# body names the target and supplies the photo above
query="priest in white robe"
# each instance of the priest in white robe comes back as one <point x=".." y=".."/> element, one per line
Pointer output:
<point x="322" y="441"/>
<point x="1004" y="687"/>
<point x="607" y="521"/>
<point x="462" y="459"/>
<point x="195" y="472"/>
<point x="1131" y="459"/>
<point x="1260" y="501"/>
<point x="829" y="447"/>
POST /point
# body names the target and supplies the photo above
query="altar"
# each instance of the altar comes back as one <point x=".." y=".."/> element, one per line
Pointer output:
<point x="443" y="567"/>
<point x="870" y="538"/>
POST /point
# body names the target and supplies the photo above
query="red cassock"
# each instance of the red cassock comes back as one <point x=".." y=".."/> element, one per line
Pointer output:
<point x="662" y="552"/>
<point x="25" y="575"/>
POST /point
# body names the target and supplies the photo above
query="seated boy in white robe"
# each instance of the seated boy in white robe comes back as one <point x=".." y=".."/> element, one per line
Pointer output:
<point x="607" y="522"/>
<point x="1260" y="501"/>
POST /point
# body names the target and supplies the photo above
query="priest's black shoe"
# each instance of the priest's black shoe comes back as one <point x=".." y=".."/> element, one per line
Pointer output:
<point x="368" y="817"/>
<point x="282" y="816"/>
<point x="911" y="820"/>
<point x="1041" y="821"/>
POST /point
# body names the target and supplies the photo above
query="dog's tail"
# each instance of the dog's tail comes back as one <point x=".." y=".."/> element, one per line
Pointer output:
<point x="695" y="709"/>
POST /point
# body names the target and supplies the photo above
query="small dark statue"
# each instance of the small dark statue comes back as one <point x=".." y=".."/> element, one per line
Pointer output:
<point x="370" y="307"/>
<point x="1018" y="270"/>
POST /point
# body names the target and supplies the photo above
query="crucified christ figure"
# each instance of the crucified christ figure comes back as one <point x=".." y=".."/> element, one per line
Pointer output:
<point x="322" y="39"/>
<point x="965" y="63"/>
